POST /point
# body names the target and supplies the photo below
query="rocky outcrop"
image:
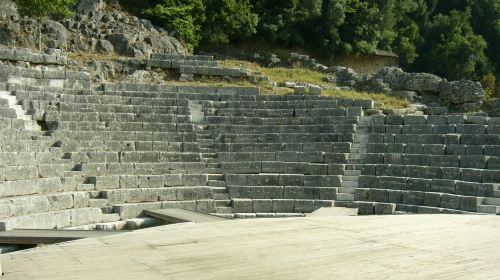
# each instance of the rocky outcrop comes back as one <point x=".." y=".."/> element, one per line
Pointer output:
<point x="464" y="95"/>
<point x="98" y="26"/>
<point x="460" y="95"/>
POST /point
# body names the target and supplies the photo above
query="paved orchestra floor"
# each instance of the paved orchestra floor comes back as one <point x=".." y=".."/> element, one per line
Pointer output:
<point x="339" y="247"/>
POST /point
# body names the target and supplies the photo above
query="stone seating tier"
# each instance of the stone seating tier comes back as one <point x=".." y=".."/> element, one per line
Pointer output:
<point x="28" y="55"/>
<point x="282" y="129"/>
<point x="433" y="172"/>
<point x="463" y="161"/>
<point x="116" y="117"/>
<point x="283" y="192"/>
<point x="286" y="138"/>
<point x="432" y="199"/>
<point x="162" y="56"/>
<point x="433" y="120"/>
<point x="331" y="147"/>
<point x="119" y="126"/>
<point x="434" y="149"/>
<point x="274" y="113"/>
<point x="436" y="129"/>
<point x="279" y="205"/>
<point x="239" y="120"/>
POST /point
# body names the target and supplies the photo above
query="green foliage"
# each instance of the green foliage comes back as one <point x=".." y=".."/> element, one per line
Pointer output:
<point x="43" y="9"/>
<point x="186" y="17"/>
<point x="229" y="20"/>
<point x="452" y="49"/>
<point x="452" y="38"/>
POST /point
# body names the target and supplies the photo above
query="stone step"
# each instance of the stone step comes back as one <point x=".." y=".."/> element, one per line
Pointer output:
<point x="221" y="196"/>
<point x="213" y="170"/>
<point x="267" y="215"/>
<point x="346" y="190"/>
<point x="212" y="164"/>
<point x="357" y="167"/>
<point x="227" y="216"/>
<point x="345" y="196"/>
<point x="216" y="183"/>
<point x="352" y="172"/>
<point x="215" y="176"/>
<point x="349" y="184"/>
<point x="491" y="201"/>
<point x="218" y="190"/>
<point x="496" y="193"/>
<point x="355" y="161"/>
<point x="358" y="151"/>
<point x="111" y="217"/>
<point x="107" y="210"/>
<point x="224" y="210"/>
<point x="98" y="203"/>
<point x="354" y="156"/>
<point x="488" y="209"/>
<point x="350" y="178"/>
<point x="85" y="187"/>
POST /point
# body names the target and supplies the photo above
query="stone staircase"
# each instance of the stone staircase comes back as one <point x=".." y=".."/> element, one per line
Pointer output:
<point x="354" y="162"/>
<point x="491" y="205"/>
<point x="21" y="114"/>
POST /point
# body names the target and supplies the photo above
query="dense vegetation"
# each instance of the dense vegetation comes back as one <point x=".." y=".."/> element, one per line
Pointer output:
<point x="452" y="38"/>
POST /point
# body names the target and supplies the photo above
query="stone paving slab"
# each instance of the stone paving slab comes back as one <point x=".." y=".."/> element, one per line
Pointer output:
<point x="389" y="247"/>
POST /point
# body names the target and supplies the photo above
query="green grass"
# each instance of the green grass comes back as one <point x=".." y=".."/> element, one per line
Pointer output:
<point x="382" y="101"/>
<point x="282" y="75"/>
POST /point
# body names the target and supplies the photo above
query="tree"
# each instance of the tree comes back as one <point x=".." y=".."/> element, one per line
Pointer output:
<point x="229" y="20"/>
<point x="452" y="49"/>
<point x="41" y="10"/>
<point x="186" y="17"/>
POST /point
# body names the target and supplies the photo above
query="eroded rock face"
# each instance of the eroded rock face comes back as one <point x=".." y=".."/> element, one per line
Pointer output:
<point x="467" y="95"/>
<point x="460" y="95"/>
<point x="54" y="35"/>
<point x="95" y="21"/>
<point x="399" y="80"/>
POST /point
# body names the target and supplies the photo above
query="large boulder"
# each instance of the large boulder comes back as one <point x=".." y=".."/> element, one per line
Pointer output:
<point x="398" y="80"/>
<point x="123" y="43"/>
<point x="465" y="95"/>
<point x="55" y="35"/>
<point x="105" y="47"/>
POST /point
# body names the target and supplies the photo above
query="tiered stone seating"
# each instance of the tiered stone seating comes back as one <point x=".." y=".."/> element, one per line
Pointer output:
<point x="282" y="153"/>
<point x="433" y="163"/>
<point x="194" y="65"/>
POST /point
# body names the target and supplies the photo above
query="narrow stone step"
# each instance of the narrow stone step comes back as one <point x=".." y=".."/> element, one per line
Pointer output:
<point x="218" y="190"/>
<point x="216" y="183"/>
<point x="213" y="170"/>
<point x="224" y="210"/>
<point x="496" y="193"/>
<point x="85" y="187"/>
<point x="355" y="161"/>
<point x="353" y="167"/>
<point x="97" y="203"/>
<point x="222" y="197"/>
<point x="491" y="201"/>
<point x="352" y="172"/>
<point x="215" y="177"/>
<point x="345" y="196"/>
<point x="346" y="190"/>
<point x="488" y="209"/>
<point x="349" y="184"/>
<point x="227" y="216"/>
<point x="350" y="178"/>
<point x="355" y="156"/>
